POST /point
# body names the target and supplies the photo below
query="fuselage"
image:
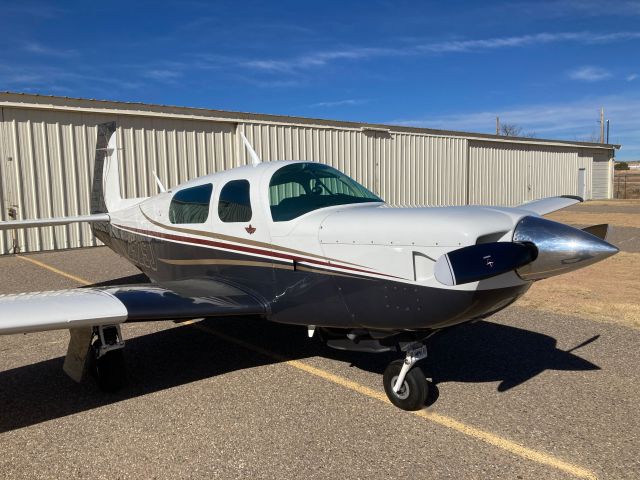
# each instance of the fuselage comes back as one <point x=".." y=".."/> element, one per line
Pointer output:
<point x="301" y="243"/>
<point x="348" y="266"/>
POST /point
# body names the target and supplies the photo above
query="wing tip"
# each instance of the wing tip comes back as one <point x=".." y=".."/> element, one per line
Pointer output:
<point x="573" y="197"/>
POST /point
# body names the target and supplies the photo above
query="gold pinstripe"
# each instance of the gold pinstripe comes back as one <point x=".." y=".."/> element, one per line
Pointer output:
<point x="253" y="243"/>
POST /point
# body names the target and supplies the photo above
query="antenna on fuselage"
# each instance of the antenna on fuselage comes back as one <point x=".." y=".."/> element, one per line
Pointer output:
<point x="159" y="183"/>
<point x="255" y="159"/>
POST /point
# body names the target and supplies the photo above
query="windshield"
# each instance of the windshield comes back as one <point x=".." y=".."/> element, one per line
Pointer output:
<point x="303" y="187"/>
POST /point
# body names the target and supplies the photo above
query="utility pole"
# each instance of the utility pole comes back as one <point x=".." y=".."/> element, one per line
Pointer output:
<point x="607" y="131"/>
<point x="602" y="125"/>
<point x="497" y="125"/>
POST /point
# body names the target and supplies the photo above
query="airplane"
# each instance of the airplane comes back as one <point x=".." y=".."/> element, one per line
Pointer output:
<point x="299" y="242"/>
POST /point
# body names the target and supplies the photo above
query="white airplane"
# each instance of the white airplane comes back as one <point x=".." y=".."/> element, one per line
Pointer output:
<point x="300" y="243"/>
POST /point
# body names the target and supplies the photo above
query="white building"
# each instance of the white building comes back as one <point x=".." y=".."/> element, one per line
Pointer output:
<point x="47" y="149"/>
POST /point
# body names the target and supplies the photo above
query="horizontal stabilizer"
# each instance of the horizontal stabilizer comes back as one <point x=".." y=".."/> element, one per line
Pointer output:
<point x="478" y="262"/>
<point x="40" y="311"/>
<point x="47" y="222"/>
<point x="551" y="204"/>
<point x="599" y="231"/>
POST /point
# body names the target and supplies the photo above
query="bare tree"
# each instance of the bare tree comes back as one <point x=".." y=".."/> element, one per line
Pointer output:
<point x="510" y="130"/>
<point x="593" y="137"/>
<point x="513" y="130"/>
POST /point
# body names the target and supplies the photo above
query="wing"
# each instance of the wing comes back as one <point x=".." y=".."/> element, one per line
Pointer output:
<point x="46" y="222"/>
<point x="34" y="312"/>
<point x="550" y="204"/>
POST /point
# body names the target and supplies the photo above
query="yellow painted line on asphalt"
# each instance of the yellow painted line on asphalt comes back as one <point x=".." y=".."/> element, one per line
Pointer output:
<point x="448" y="422"/>
<point x="54" y="270"/>
<point x="442" y="420"/>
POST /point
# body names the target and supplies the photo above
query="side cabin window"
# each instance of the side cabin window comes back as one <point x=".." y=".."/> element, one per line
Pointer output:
<point x="302" y="187"/>
<point x="234" y="204"/>
<point x="191" y="205"/>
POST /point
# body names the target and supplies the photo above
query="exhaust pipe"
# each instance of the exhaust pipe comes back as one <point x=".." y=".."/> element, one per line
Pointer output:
<point x="561" y="248"/>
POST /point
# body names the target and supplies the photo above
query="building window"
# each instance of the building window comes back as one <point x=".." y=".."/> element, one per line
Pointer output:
<point x="234" y="204"/>
<point x="191" y="205"/>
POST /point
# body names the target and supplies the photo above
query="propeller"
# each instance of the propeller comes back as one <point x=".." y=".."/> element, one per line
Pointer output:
<point x="478" y="262"/>
<point x="541" y="248"/>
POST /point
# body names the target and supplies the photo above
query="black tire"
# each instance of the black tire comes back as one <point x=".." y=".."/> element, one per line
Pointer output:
<point x="414" y="391"/>
<point x="110" y="371"/>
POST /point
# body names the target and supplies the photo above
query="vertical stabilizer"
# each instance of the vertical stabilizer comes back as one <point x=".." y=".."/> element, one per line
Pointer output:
<point x="105" y="191"/>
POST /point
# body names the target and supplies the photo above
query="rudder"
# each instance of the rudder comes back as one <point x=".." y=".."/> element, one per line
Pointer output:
<point x="105" y="189"/>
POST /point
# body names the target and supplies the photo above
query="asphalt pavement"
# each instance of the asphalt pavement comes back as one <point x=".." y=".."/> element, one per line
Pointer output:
<point x="527" y="395"/>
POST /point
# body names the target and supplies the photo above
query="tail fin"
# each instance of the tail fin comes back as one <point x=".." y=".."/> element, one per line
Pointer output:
<point x="105" y="191"/>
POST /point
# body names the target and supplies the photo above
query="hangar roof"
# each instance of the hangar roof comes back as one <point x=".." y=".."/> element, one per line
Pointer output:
<point x="51" y="102"/>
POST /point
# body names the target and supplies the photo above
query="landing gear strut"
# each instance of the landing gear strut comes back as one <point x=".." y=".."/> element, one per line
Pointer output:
<point x="404" y="383"/>
<point x="109" y="366"/>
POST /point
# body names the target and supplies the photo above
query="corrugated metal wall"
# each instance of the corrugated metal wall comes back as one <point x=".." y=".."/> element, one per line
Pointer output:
<point x="177" y="150"/>
<point x="404" y="169"/>
<point x="52" y="165"/>
<point x="46" y="161"/>
<point x="512" y="173"/>
<point x="351" y="151"/>
<point x="420" y="170"/>
<point x="602" y="178"/>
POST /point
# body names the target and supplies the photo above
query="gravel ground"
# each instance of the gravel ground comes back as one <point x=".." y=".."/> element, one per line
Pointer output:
<point x="197" y="405"/>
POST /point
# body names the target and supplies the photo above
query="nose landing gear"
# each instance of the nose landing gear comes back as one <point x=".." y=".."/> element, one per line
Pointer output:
<point x="404" y="383"/>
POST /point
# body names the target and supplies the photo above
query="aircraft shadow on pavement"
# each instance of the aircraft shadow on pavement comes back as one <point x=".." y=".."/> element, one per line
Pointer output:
<point x="492" y="352"/>
<point x="479" y="352"/>
<point x="131" y="279"/>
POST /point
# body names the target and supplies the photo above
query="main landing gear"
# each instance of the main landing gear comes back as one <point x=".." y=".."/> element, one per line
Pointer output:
<point x="108" y="358"/>
<point x="404" y="383"/>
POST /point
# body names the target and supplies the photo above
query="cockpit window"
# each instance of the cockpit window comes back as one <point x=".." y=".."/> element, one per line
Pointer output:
<point x="303" y="187"/>
<point x="191" y="205"/>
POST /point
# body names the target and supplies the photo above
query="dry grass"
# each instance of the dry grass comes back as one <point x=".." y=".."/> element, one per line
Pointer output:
<point x="608" y="291"/>
<point x="626" y="184"/>
<point x="618" y="202"/>
<point x="593" y="218"/>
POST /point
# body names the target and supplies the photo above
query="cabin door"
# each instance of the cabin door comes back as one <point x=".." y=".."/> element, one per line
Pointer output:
<point x="239" y="224"/>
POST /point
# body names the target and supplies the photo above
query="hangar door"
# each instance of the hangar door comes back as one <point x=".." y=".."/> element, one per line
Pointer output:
<point x="502" y="173"/>
<point x="602" y="176"/>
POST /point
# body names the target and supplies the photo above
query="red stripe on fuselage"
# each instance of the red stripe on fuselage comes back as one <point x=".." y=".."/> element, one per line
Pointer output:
<point x="229" y="246"/>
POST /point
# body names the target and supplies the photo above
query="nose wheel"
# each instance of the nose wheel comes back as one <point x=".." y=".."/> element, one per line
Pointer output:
<point x="404" y="383"/>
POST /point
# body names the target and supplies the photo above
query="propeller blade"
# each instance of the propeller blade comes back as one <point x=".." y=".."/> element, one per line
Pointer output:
<point x="585" y="343"/>
<point x="599" y="231"/>
<point x="478" y="262"/>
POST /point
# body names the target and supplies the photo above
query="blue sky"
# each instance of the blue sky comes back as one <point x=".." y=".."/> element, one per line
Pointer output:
<point x="545" y="66"/>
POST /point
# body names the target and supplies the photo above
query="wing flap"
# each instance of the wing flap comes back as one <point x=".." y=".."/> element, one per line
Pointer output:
<point x="550" y="204"/>
<point x="63" y="309"/>
<point x="149" y="303"/>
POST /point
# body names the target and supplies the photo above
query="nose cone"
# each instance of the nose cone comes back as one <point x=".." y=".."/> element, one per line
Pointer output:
<point x="561" y="248"/>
